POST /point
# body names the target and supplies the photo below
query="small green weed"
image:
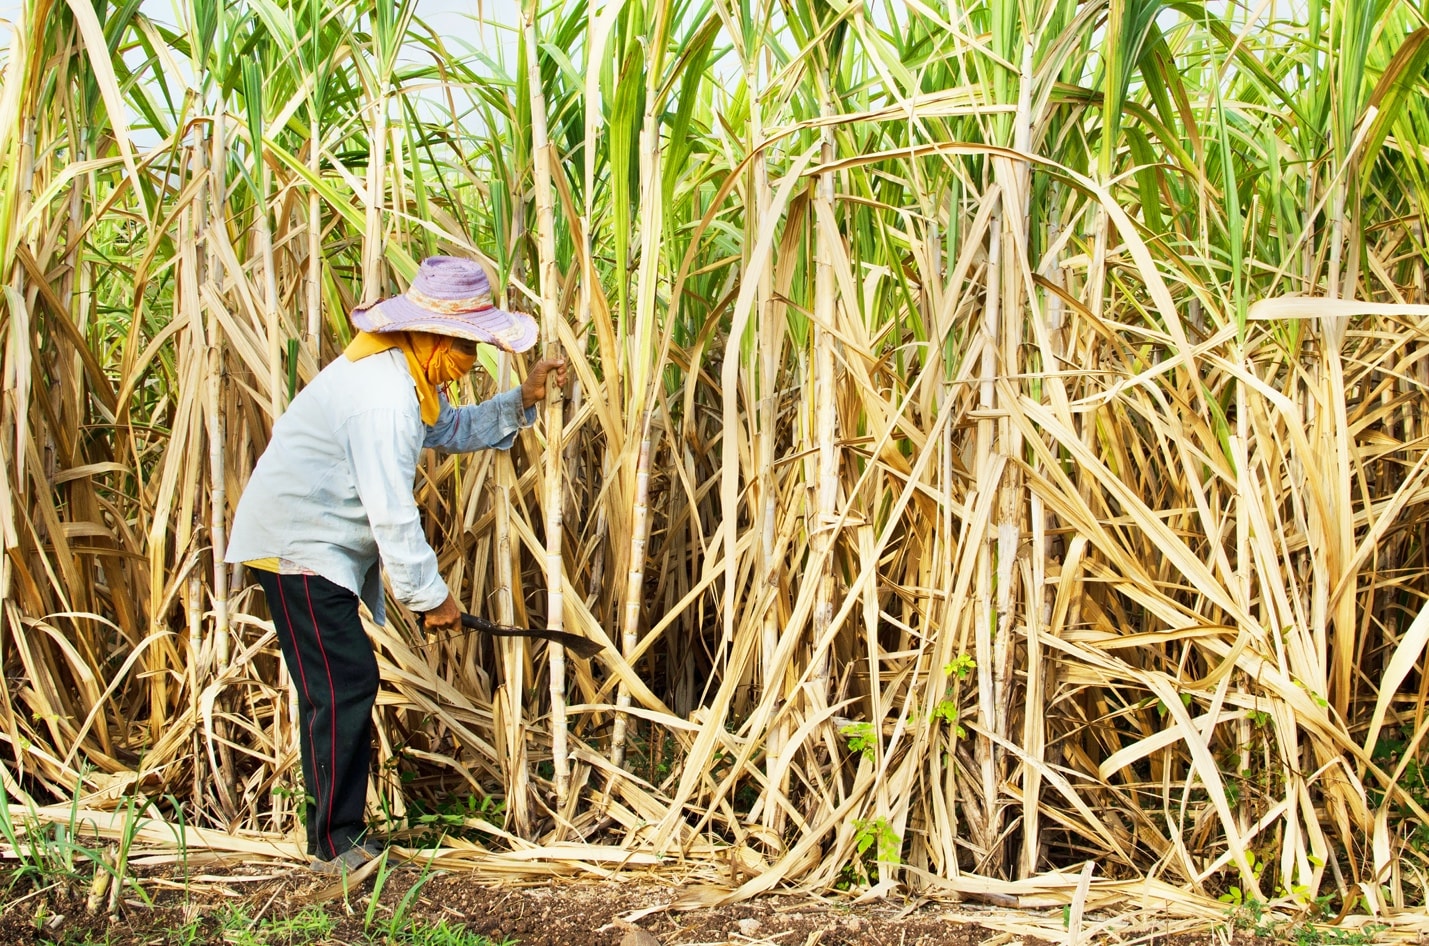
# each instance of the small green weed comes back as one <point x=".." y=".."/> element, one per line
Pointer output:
<point x="1235" y="896"/>
<point x="1307" y="934"/>
<point x="860" y="738"/>
<point x="1162" y="710"/>
<point x="960" y="666"/>
<point x="651" y="754"/>
<point x="1414" y="781"/>
<point x="453" y="818"/>
<point x="1249" y="916"/>
<point x="875" y="843"/>
<point x="946" y="709"/>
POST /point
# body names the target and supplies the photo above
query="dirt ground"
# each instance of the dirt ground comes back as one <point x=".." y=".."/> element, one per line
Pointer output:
<point x="257" y="905"/>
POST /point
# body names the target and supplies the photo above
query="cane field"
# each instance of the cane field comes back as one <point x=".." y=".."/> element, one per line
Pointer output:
<point x="995" y="456"/>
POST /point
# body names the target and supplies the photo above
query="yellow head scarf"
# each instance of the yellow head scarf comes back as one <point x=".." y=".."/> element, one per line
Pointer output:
<point x="430" y="359"/>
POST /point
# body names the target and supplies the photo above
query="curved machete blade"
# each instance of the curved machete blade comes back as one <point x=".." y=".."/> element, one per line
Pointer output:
<point x="580" y="646"/>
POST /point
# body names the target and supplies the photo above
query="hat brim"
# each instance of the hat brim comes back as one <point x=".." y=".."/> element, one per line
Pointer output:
<point x="509" y="331"/>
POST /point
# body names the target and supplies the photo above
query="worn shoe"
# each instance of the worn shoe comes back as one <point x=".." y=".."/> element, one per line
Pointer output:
<point x="371" y="844"/>
<point x="349" y="860"/>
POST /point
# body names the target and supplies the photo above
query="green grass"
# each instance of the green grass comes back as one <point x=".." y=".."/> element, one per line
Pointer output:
<point x="191" y="933"/>
<point x="315" y="925"/>
<point x="441" y="933"/>
<point x="79" y="938"/>
<point x="311" y="925"/>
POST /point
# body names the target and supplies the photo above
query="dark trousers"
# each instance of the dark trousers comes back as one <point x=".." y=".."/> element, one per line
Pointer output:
<point x="331" y="662"/>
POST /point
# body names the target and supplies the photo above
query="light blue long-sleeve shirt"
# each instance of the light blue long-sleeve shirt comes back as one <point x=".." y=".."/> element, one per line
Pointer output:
<point x="332" y="493"/>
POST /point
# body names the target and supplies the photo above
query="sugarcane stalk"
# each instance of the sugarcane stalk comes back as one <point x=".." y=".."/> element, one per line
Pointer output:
<point x="272" y="315"/>
<point x="212" y="196"/>
<point x="1008" y="324"/>
<point x="597" y="29"/>
<point x="187" y="301"/>
<point x="213" y="389"/>
<point x="314" y="287"/>
<point x="634" y="590"/>
<point x="984" y="832"/>
<point x="640" y="345"/>
<point x="825" y="519"/>
<point x="373" y="284"/>
<point x="641" y="353"/>
<point x="549" y="287"/>
<point x="510" y="695"/>
<point x="513" y="661"/>
<point x="1034" y="723"/>
<point x="767" y="357"/>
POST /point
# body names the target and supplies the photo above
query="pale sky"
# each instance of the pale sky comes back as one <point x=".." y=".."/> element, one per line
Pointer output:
<point x="453" y="18"/>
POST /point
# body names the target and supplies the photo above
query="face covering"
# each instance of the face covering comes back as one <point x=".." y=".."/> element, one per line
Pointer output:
<point x="440" y="362"/>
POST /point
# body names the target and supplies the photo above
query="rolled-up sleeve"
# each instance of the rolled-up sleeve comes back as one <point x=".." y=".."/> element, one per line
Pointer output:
<point x="492" y="424"/>
<point x="383" y="454"/>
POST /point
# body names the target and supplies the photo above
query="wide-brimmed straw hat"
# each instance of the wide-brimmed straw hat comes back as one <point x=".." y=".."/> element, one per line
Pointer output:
<point x="450" y="296"/>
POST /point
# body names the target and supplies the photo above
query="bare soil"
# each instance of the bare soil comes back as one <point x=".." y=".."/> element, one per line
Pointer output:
<point x="565" y="913"/>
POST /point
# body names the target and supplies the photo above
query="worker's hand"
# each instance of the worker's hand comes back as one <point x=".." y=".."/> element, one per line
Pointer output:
<point x="444" y="618"/>
<point x="533" y="389"/>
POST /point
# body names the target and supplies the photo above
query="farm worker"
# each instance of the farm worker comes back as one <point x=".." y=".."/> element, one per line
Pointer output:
<point x="330" y="504"/>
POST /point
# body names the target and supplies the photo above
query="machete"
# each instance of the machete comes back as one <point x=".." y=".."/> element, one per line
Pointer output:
<point x="580" y="646"/>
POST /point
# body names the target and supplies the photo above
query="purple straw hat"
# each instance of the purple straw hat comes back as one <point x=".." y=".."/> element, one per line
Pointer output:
<point x="450" y="296"/>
